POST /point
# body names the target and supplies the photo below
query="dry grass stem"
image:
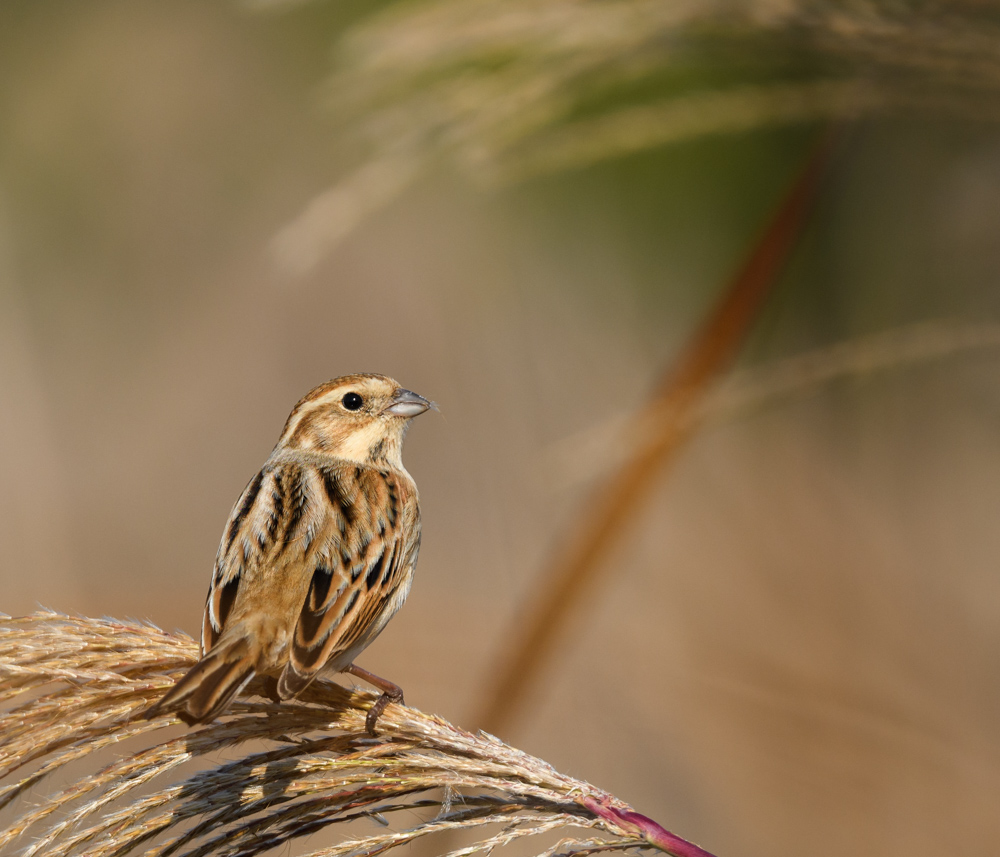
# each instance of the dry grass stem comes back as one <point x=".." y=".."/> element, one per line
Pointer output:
<point x="72" y="690"/>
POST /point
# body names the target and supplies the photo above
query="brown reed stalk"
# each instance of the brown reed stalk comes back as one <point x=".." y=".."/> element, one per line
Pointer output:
<point x="71" y="688"/>
<point x="658" y="432"/>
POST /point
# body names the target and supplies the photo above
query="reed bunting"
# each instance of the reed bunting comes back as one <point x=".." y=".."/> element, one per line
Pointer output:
<point x="317" y="555"/>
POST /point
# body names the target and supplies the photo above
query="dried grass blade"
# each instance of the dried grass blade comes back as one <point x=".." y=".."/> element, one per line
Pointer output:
<point x="318" y="766"/>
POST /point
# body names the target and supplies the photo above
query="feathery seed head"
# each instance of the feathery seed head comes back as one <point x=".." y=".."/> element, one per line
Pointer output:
<point x="360" y="418"/>
<point x="73" y="693"/>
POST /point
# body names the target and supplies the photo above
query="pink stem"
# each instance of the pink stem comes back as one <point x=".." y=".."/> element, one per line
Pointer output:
<point x="634" y="822"/>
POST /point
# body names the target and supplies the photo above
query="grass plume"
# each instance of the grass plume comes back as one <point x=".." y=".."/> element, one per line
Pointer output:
<point x="509" y="90"/>
<point x="72" y="687"/>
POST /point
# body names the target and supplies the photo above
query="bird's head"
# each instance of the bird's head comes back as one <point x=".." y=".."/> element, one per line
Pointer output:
<point x="360" y="418"/>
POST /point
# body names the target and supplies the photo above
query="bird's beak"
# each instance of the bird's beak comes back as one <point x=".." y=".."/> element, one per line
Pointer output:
<point x="407" y="404"/>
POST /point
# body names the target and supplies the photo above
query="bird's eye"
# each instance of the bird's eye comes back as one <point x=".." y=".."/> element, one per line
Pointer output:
<point x="352" y="401"/>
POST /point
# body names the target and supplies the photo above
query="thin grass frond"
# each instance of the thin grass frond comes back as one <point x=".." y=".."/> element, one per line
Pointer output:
<point x="505" y="90"/>
<point x="588" y="453"/>
<point x="74" y="689"/>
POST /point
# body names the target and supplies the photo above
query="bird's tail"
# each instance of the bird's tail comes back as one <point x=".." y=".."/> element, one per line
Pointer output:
<point x="210" y="685"/>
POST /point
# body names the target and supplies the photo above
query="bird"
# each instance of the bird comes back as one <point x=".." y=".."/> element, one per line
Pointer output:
<point x="318" y="553"/>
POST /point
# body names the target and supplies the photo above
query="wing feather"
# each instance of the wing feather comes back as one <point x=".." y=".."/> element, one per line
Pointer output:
<point x="333" y="624"/>
<point x="271" y="513"/>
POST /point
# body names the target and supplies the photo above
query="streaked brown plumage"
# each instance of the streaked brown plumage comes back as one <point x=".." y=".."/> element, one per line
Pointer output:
<point x="318" y="553"/>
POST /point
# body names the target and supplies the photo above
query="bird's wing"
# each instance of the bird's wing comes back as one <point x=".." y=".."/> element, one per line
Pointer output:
<point x="362" y="579"/>
<point x="281" y="523"/>
<point x="239" y="549"/>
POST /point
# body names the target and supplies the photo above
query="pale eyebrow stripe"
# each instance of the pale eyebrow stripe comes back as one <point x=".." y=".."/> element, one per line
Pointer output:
<point x="308" y="407"/>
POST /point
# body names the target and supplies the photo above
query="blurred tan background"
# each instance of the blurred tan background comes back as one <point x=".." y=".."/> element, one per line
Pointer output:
<point x="796" y="650"/>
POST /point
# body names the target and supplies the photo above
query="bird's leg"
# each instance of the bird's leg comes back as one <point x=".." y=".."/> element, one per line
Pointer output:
<point x="390" y="693"/>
